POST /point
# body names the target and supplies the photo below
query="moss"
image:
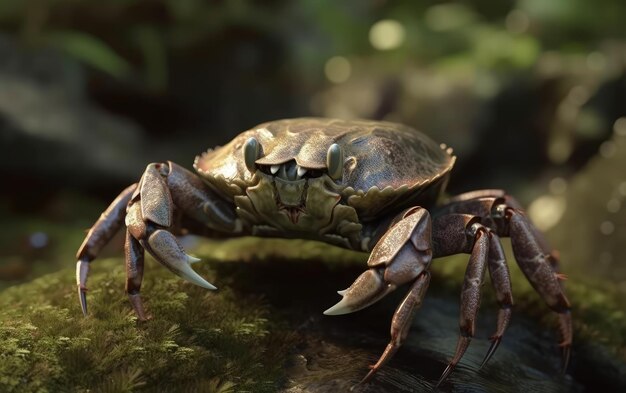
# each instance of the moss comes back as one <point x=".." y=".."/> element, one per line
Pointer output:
<point x="213" y="342"/>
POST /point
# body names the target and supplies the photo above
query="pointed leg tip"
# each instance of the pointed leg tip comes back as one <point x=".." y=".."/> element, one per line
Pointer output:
<point x="495" y="342"/>
<point x="369" y="376"/>
<point x="144" y="318"/>
<point x="82" y="298"/>
<point x="445" y="374"/>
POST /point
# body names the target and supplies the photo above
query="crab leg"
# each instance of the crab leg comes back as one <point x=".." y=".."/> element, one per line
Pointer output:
<point x="134" y="274"/>
<point x="402" y="255"/>
<point x="401" y="321"/>
<point x="535" y="264"/>
<point x="100" y="234"/>
<point x="460" y="233"/>
<point x="537" y="260"/>
<point x="501" y="282"/>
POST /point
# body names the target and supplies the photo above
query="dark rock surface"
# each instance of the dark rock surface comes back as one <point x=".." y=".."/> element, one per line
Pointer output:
<point x="332" y="353"/>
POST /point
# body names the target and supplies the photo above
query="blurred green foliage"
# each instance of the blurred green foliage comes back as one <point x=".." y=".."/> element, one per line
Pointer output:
<point x="130" y="38"/>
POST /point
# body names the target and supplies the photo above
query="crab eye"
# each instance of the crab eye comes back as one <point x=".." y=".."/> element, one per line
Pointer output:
<point x="251" y="152"/>
<point x="334" y="161"/>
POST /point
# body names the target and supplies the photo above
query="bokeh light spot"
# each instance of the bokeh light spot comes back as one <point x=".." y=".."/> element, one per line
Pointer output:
<point x="546" y="211"/>
<point x="622" y="188"/>
<point x="607" y="227"/>
<point x="620" y="126"/>
<point x="387" y="34"/>
<point x="338" y="69"/>
<point x="613" y="205"/>
<point x="607" y="149"/>
<point x="558" y="185"/>
<point x="560" y="150"/>
<point x="38" y="240"/>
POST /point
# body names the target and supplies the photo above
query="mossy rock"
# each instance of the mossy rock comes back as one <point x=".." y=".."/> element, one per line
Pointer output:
<point x="263" y="330"/>
<point x="212" y="342"/>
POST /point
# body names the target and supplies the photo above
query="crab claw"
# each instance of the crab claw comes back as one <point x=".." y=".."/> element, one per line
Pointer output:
<point x="82" y="269"/>
<point x="368" y="288"/>
<point x="165" y="249"/>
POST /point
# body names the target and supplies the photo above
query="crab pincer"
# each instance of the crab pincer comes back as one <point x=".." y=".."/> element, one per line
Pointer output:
<point x="164" y="247"/>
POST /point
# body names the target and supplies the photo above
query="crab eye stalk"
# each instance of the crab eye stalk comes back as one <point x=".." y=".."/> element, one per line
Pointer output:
<point x="334" y="161"/>
<point x="251" y="152"/>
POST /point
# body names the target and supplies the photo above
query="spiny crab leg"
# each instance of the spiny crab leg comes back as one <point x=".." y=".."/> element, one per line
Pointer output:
<point x="463" y="233"/>
<point x="402" y="255"/>
<point x="134" y="254"/>
<point x="109" y="222"/>
<point x="401" y="321"/>
<point x="470" y="298"/>
<point x="534" y="259"/>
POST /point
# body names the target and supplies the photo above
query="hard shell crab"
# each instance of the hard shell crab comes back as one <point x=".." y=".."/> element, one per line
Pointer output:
<point x="363" y="185"/>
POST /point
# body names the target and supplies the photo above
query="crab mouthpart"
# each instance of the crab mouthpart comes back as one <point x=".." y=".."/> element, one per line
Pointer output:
<point x="293" y="212"/>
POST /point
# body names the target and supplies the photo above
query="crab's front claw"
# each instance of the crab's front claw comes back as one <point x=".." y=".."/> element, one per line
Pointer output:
<point x="164" y="247"/>
<point x="367" y="289"/>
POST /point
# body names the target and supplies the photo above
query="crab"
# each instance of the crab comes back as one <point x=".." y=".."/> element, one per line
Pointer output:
<point x="371" y="186"/>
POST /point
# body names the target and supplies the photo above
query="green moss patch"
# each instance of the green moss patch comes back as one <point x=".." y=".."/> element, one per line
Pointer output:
<point x="199" y="341"/>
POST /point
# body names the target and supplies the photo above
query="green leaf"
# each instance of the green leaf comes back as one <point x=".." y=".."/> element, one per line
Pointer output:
<point x="90" y="50"/>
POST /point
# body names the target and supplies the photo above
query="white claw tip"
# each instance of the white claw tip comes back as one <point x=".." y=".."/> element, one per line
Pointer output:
<point x="205" y="284"/>
<point x="301" y="171"/>
<point x="342" y="292"/>
<point x="274" y="169"/>
<point x="186" y="272"/>
<point x="339" y="308"/>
